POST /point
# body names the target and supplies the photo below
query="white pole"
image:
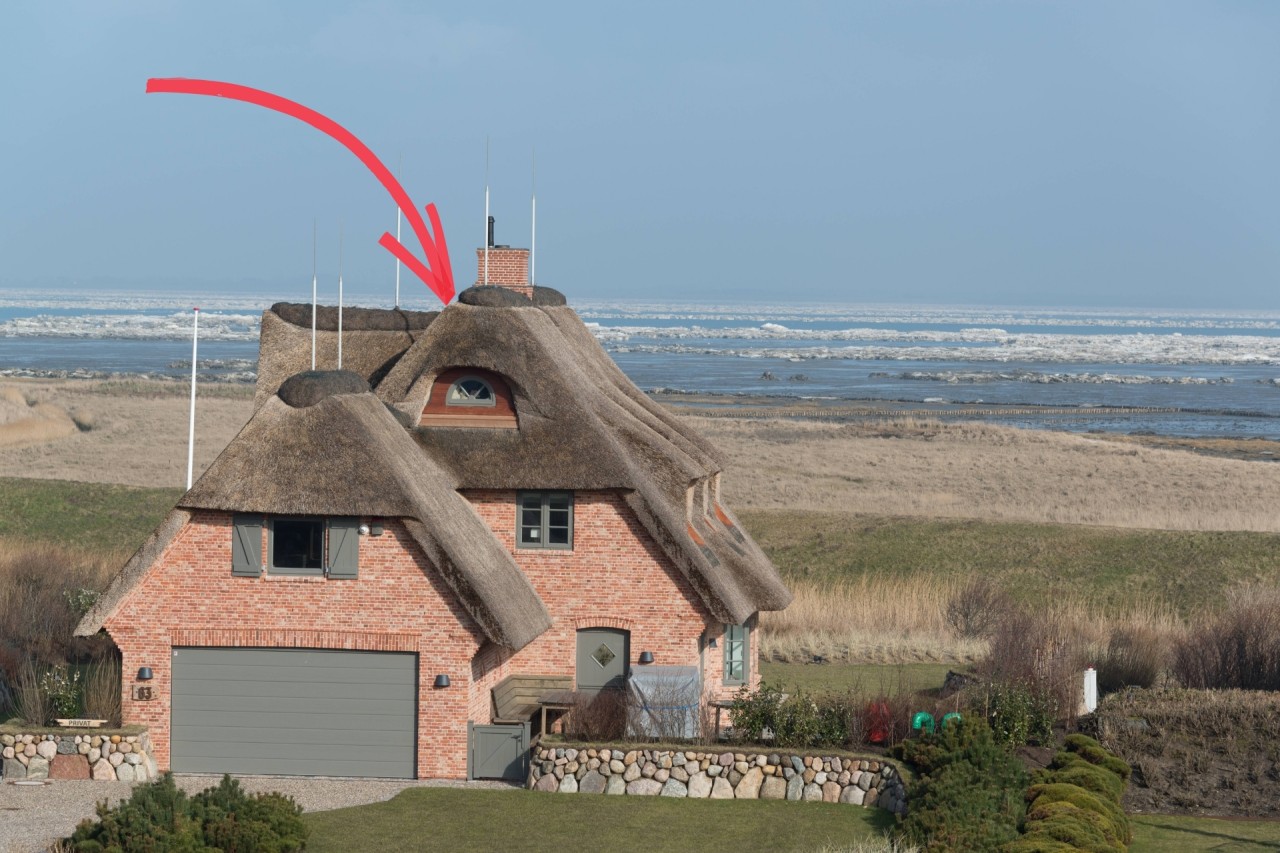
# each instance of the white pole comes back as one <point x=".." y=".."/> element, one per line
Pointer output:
<point x="339" y="295"/>
<point x="313" y="294"/>
<point x="399" y="214"/>
<point x="191" y="431"/>
<point x="533" y="226"/>
<point x="486" y="210"/>
<point x="1090" y="690"/>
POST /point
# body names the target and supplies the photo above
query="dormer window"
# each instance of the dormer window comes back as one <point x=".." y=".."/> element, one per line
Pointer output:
<point x="470" y="391"/>
<point x="470" y="397"/>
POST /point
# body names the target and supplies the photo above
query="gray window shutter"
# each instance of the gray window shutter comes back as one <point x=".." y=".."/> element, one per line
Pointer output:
<point x="246" y="545"/>
<point x="344" y="547"/>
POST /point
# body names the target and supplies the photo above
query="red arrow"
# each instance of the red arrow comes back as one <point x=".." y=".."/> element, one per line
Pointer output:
<point x="436" y="273"/>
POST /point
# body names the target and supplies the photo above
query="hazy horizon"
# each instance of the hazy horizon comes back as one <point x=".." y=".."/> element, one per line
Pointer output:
<point x="1001" y="153"/>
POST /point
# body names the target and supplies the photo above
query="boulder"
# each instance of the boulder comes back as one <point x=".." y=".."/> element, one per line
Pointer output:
<point x="674" y="788"/>
<point x="795" y="787"/>
<point x="546" y="783"/>
<point x="69" y="767"/>
<point x="592" y="783"/>
<point x="749" y="786"/>
<point x="699" y="785"/>
<point x="812" y="793"/>
<point x="615" y="786"/>
<point x="38" y="767"/>
<point x="830" y="792"/>
<point x="644" y="788"/>
<point x="852" y="795"/>
<point x="774" y="788"/>
<point x="568" y="785"/>
<point x="721" y="789"/>
<point x="14" y="769"/>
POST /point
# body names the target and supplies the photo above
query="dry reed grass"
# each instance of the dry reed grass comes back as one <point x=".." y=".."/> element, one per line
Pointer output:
<point x="23" y="424"/>
<point x="903" y="620"/>
<point x="972" y="470"/>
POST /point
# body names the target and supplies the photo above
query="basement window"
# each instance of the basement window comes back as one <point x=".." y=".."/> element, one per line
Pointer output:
<point x="544" y="520"/>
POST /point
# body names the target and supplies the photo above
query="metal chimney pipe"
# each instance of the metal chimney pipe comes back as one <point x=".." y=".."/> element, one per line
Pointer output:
<point x="491" y="243"/>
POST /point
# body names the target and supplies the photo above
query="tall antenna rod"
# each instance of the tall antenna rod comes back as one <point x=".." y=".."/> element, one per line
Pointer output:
<point x="191" y="430"/>
<point x="339" y="294"/>
<point x="399" y="214"/>
<point x="313" y="294"/>
<point x="533" y="220"/>
<point x="487" y="241"/>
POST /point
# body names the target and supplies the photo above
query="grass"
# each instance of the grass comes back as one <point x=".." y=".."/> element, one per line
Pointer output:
<point x="81" y="515"/>
<point x="1108" y="567"/>
<point x="864" y="679"/>
<point x="484" y="820"/>
<point x="1162" y="833"/>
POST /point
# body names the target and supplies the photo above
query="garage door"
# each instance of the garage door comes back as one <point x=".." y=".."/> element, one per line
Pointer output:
<point x="297" y="712"/>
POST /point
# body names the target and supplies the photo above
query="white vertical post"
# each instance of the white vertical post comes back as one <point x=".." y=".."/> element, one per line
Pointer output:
<point x="533" y="224"/>
<point x="339" y="295"/>
<point x="1090" y="690"/>
<point x="191" y="430"/>
<point x="486" y="210"/>
<point x="313" y="294"/>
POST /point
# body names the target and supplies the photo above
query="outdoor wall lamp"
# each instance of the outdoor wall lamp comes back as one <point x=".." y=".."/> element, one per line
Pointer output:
<point x="441" y="681"/>
<point x="646" y="657"/>
<point x="144" y="674"/>
<point x="712" y="644"/>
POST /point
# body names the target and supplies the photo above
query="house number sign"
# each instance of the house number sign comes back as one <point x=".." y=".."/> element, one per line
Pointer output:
<point x="142" y="693"/>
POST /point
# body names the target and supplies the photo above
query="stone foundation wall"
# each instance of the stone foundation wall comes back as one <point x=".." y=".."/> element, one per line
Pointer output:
<point x="718" y="775"/>
<point x="104" y="757"/>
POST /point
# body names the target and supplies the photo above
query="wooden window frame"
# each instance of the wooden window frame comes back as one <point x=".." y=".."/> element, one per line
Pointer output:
<point x="743" y="659"/>
<point x="543" y="541"/>
<point x="330" y="525"/>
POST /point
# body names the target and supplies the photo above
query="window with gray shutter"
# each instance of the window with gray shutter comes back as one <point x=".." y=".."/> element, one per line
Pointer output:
<point x="246" y="545"/>
<point x="344" y="547"/>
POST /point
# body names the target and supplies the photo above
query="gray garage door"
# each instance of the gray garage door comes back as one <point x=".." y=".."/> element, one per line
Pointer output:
<point x="299" y="712"/>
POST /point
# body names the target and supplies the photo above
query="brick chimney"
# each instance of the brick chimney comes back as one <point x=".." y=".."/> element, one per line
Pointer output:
<point x="508" y="267"/>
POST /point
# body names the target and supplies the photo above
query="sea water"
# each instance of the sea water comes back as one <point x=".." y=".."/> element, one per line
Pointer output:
<point x="1186" y="373"/>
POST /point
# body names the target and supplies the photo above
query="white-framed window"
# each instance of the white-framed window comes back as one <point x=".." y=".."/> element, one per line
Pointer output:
<point x="470" y="391"/>
<point x="737" y="643"/>
<point x="544" y="520"/>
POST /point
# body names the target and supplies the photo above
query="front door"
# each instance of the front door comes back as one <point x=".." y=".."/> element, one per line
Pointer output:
<point x="603" y="655"/>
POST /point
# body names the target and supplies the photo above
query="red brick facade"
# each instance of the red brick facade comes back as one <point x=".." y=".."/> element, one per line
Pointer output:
<point x="615" y="576"/>
<point x="507" y="267"/>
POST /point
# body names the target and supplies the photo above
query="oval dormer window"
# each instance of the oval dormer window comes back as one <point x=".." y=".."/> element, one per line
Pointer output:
<point x="470" y="391"/>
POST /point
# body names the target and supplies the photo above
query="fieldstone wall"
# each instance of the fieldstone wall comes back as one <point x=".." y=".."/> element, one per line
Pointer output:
<point x="718" y="776"/>
<point x="105" y="757"/>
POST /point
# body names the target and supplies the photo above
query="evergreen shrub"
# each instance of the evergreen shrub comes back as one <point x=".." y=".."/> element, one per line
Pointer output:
<point x="159" y="817"/>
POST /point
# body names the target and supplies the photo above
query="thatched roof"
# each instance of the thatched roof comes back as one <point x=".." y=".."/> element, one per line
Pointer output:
<point x="583" y="425"/>
<point x="337" y="450"/>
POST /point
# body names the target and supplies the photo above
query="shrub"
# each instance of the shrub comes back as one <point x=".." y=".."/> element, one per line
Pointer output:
<point x="975" y="610"/>
<point x="1075" y="803"/>
<point x="1043" y="654"/>
<point x="795" y="720"/>
<point x="102" y="690"/>
<point x="61" y="685"/>
<point x="30" y="700"/>
<point x="159" y="816"/>
<point x="968" y="791"/>
<point x="597" y="715"/>
<point x="1134" y="657"/>
<point x="1020" y="713"/>
<point x="1237" y="648"/>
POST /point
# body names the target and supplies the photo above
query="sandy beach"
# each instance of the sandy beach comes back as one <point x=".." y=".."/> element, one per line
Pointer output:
<point x="135" y="433"/>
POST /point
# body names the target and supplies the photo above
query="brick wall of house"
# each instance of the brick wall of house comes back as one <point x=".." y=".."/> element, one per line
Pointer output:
<point x="507" y="267"/>
<point x="615" y="577"/>
<point x="398" y="603"/>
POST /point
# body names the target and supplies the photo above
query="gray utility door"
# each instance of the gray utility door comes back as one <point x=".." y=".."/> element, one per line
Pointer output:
<point x="499" y="752"/>
<point x="603" y="655"/>
<point x="294" y="712"/>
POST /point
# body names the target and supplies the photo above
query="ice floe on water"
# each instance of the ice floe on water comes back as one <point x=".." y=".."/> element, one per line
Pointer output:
<point x="977" y="377"/>
<point x="213" y="326"/>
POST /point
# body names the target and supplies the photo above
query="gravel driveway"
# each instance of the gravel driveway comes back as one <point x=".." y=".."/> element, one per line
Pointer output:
<point x="33" y="817"/>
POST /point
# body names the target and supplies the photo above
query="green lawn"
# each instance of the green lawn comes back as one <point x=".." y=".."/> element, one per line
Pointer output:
<point x="1109" y="566"/>
<point x="863" y="679"/>
<point x="87" y="515"/>
<point x="1162" y="834"/>
<point x="484" y="820"/>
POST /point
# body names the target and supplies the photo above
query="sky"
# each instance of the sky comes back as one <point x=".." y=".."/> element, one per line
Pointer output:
<point x="1021" y="153"/>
